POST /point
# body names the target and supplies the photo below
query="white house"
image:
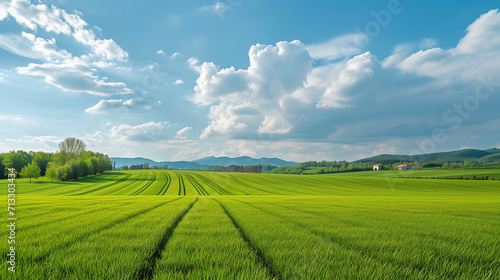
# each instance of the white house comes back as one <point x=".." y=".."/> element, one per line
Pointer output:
<point x="377" y="166"/>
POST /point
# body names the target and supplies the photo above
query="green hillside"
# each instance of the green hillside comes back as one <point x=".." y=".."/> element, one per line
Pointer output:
<point x="453" y="156"/>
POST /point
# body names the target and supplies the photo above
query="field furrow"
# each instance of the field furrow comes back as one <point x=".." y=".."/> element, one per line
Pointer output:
<point x="120" y="250"/>
<point x="206" y="245"/>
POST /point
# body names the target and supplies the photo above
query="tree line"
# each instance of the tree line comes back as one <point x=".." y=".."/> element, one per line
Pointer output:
<point x="322" y="167"/>
<point x="72" y="161"/>
<point x="144" y="166"/>
<point x="237" y="168"/>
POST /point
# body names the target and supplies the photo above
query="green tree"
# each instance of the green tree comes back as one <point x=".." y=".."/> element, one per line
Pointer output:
<point x="42" y="159"/>
<point x="65" y="172"/>
<point x="90" y="167"/>
<point x="61" y="158"/>
<point x="30" y="171"/>
<point x="72" y="146"/>
<point x="51" y="171"/>
<point x="16" y="160"/>
<point x="2" y="167"/>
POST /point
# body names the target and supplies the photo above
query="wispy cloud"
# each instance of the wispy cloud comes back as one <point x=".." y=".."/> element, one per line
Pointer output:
<point x="338" y="48"/>
<point x="74" y="75"/>
<point x="181" y="133"/>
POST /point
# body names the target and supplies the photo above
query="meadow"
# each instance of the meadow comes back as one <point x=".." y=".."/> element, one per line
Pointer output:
<point x="157" y="224"/>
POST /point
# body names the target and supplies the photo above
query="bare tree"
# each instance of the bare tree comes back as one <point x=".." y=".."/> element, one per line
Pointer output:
<point x="72" y="146"/>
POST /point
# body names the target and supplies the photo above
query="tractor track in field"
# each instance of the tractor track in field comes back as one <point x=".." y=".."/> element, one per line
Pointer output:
<point x="238" y="181"/>
<point x="275" y="186"/>
<point x="198" y="187"/>
<point x="103" y="187"/>
<point x="38" y="214"/>
<point x="147" y="272"/>
<point x="135" y="181"/>
<point x="194" y="184"/>
<point x="278" y="184"/>
<point x="346" y="221"/>
<point x="145" y="187"/>
<point x="264" y="262"/>
<point x="182" y="186"/>
<point x="214" y="186"/>
<point x="89" y="179"/>
<point x="348" y="246"/>
<point x="165" y="187"/>
<point x="71" y="217"/>
<point x="69" y="243"/>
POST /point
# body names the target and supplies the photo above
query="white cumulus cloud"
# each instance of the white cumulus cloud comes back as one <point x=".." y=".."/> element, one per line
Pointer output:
<point x="61" y="68"/>
<point x="355" y="70"/>
<point x="249" y="100"/>
<point x="475" y="54"/>
<point x="53" y="19"/>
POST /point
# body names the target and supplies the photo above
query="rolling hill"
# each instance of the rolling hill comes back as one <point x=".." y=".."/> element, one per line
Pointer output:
<point x="243" y="161"/>
<point x="452" y="156"/>
<point x="203" y="163"/>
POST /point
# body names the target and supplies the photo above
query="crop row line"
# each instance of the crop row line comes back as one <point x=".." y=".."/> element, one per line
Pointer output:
<point x="181" y="183"/>
<point x="147" y="271"/>
<point x="198" y="187"/>
<point x="349" y="246"/>
<point x="165" y="187"/>
<point x="260" y="255"/>
<point x="52" y="221"/>
<point x="142" y="189"/>
<point x="128" y="185"/>
<point x="238" y="181"/>
<point x="105" y="186"/>
<point x="100" y="229"/>
<point x="216" y="187"/>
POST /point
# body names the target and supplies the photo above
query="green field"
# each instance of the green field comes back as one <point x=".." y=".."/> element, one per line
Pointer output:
<point x="491" y="174"/>
<point x="156" y="224"/>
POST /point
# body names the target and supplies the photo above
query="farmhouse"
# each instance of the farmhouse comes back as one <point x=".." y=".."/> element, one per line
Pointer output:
<point x="403" y="167"/>
<point x="377" y="166"/>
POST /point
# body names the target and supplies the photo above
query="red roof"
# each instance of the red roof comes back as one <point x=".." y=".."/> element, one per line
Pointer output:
<point x="378" y="164"/>
<point x="401" y="165"/>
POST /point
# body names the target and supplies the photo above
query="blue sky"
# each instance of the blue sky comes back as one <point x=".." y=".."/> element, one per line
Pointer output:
<point x="299" y="80"/>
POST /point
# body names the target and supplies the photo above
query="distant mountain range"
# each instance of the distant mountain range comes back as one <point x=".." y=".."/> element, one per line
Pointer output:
<point x="203" y="163"/>
<point x="243" y="161"/>
<point x="452" y="156"/>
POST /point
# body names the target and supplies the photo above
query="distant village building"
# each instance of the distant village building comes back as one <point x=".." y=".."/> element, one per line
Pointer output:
<point x="403" y="167"/>
<point x="416" y="167"/>
<point x="377" y="166"/>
